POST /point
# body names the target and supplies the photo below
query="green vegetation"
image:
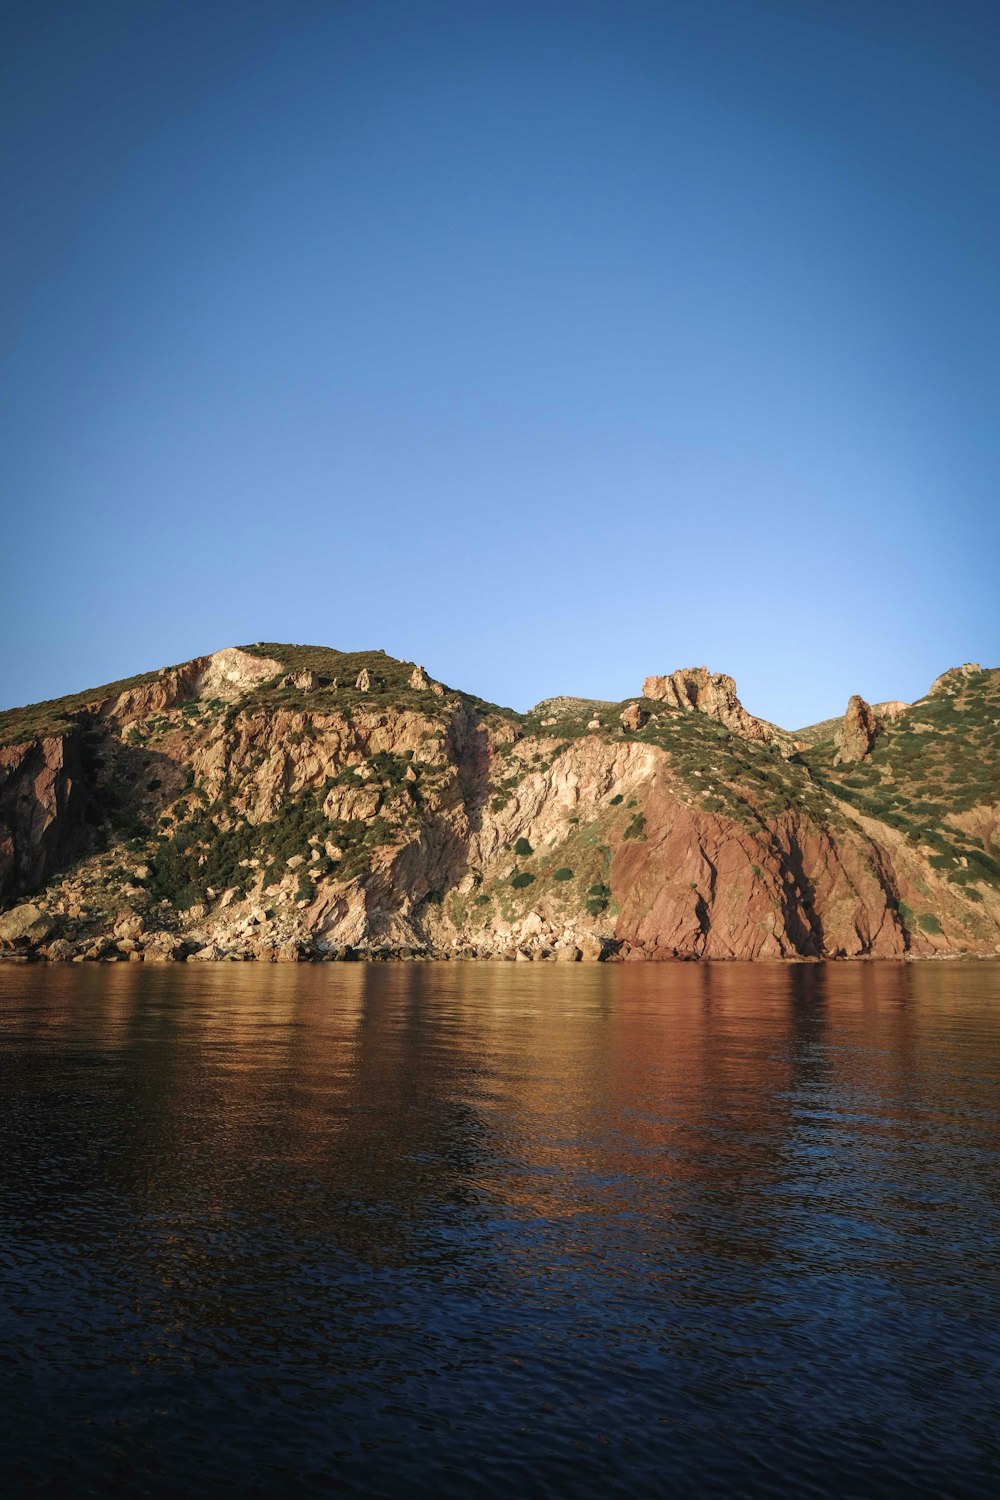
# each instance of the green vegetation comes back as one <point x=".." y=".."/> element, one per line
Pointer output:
<point x="930" y="767"/>
<point x="521" y="879"/>
<point x="523" y="849"/>
<point x="636" y="827"/>
<point x="598" y="897"/>
<point x="562" y="874"/>
<point x="61" y="715"/>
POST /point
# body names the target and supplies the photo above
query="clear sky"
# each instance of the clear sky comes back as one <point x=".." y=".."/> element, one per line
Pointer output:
<point x="549" y="344"/>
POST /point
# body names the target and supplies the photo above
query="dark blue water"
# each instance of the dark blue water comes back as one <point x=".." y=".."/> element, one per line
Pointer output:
<point x="500" y="1230"/>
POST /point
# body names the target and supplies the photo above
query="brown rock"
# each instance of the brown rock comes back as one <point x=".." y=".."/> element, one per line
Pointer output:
<point x="857" y="732"/>
<point x="25" y="925"/>
<point x="714" y="694"/>
<point x="954" y="675"/>
<point x="633" y="718"/>
<point x="60" y="951"/>
<point x="306" y="681"/>
<point x="130" y="925"/>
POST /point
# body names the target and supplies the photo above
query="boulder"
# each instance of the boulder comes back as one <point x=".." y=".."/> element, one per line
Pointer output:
<point x="60" y="952"/>
<point x="129" y="925"/>
<point x="306" y="681"/>
<point x="26" y="925"/>
<point x="633" y="717"/>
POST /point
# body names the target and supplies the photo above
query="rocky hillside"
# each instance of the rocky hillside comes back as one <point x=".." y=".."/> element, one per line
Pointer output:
<point x="289" y="802"/>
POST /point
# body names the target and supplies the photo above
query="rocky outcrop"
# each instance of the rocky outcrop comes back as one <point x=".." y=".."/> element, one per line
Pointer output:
<point x="714" y="694"/>
<point x="305" y="682"/>
<point x="857" y="731"/>
<point x="27" y="924"/>
<point x="231" y="673"/>
<point x="265" y="827"/>
<point x="420" y="681"/>
<point x="954" y="676"/>
<point x="632" y="718"/>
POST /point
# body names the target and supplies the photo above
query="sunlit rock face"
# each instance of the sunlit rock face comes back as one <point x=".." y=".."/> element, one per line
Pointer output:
<point x="281" y="802"/>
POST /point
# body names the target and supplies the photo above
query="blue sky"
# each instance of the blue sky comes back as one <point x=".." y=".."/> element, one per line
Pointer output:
<point x="548" y="344"/>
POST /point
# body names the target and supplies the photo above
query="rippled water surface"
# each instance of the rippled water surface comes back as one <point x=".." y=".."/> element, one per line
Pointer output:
<point x="504" y="1230"/>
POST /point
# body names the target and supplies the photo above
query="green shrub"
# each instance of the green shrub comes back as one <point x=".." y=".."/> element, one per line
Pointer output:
<point x="523" y="848"/>
<point x="521" y="879"/>
<point x="636" y="827"/>
<point x="304" y="888"/>
<point x="617" y="800"/>
<point x="928" y="922"/>
<point x="562" y="874"/>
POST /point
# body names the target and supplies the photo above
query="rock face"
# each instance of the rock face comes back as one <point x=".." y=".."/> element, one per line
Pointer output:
<point x="159" y="825"/>
<point x="231" y="673"/>
<point x="714" y="694"/>
<point x="857" y="732"/>
<point x="696" y="886"/>
<point x="954" y="675"/>
<point x="48" y="809"/>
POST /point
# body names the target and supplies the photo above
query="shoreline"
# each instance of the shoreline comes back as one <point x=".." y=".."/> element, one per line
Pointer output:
<point x="377" y="956"/>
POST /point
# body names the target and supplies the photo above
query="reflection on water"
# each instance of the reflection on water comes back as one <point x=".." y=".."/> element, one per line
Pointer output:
<point x="430" y="1230"/>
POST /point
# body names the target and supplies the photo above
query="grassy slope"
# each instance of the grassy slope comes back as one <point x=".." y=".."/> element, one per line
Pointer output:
<point x="56" y="715"/>
<point x="390" y="681"/>
<point x="937" y="761"/>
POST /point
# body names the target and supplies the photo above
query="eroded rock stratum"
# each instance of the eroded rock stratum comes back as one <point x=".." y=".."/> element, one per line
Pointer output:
<point x="285" y="802"/>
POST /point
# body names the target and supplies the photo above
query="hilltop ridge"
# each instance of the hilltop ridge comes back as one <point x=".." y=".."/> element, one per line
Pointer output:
<point x="298" y="801"/>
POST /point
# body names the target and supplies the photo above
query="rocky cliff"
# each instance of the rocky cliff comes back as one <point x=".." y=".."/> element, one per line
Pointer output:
<point x="281" y="802"/>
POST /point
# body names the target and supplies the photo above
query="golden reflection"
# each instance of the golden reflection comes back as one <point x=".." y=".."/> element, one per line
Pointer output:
<point x="365" y="1097"/>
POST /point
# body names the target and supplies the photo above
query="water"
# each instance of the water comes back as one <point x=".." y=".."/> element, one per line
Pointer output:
<point x="500" y="1230"/>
